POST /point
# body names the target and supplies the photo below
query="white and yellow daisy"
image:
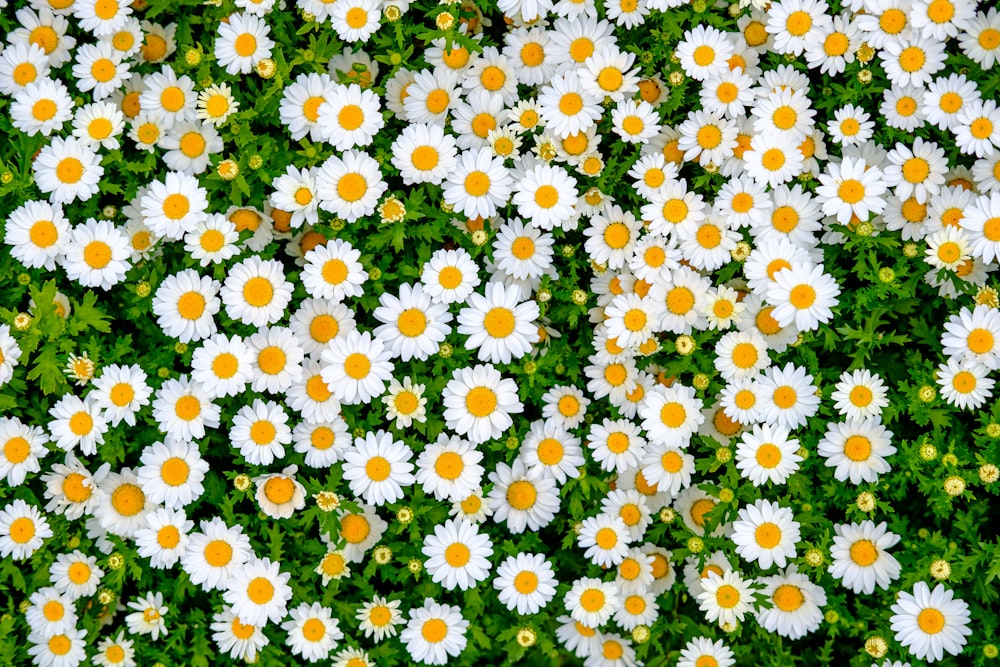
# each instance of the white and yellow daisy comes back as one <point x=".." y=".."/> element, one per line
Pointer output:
<point x="67" y="170"/>
<point x="931" y="623"/>
<point x="860" y="559"/>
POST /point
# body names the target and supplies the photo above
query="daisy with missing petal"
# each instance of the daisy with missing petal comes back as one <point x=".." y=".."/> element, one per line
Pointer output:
<point x="741" y="354"/>
<point x="66" y="170"/>
<point x="980" y="38"/>
<point x="434" y="633"/>
<point x="449" y="468"/>
<point x="788" y="396"/>
<point x="478" y="403"/>
<point x="379" y="618"/>
<point x="765" y="533"/>
<point x="378" y="467"/>
<point x="523" y="251"/>
<point x="851" y="126"/>
<point x="478" y="184"/>
<point x="37" y="233"/>
<point x="591" y="601"/>
<point x="256" y="292"/>
<point x="183" y="409"/>
<point x="964" y="385"/>
<point x="356" y="367"/>
<point x="796" y="602"/>
<point x="259" y="592"/>
<point x="931" y="623"/>
<point x="185" y="305"/>
<point x="523" y="498"/>
<point x="115" y="652"/>
<point x="71" y="489"/>
<point x="630" y="319"/>
<point x="260" y="432"/>
<point x="497" y="325"/>
<point x="582" y="640"/>
<point x="242" y="42"/>
<point x="350" y="186"/>
<point x="318" y="321"/>
<point x="525" y="582"/>
<point x="457" y="554"/>
<point x="174" y="206"/>
<point x="310" y="397"/>
<point x="741" y="401"/>
<point x="424" y="154"/>
<point x="767" y="454"/>
<point x="726" y="598"/>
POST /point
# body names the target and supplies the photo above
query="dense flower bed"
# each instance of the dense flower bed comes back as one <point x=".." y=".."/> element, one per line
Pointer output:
<point x="367" y="333"/>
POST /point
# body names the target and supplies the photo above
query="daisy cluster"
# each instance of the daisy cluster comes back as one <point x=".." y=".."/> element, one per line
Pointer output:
<point x="368" y="332"/>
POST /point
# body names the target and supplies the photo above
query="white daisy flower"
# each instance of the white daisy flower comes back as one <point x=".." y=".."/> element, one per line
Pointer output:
<point x="38" y="233"/>
<point x="860" y="560"/>
<point x="256" y="292"/>
<point x="525" y="583"/>
<point x="478" y="403"/>
<point x="765" y="533"/>
<point x="378" y="467"/>
<point x="931" y="623"/>
<point x="434" y="633"/>
<point x="66" y="170"/>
